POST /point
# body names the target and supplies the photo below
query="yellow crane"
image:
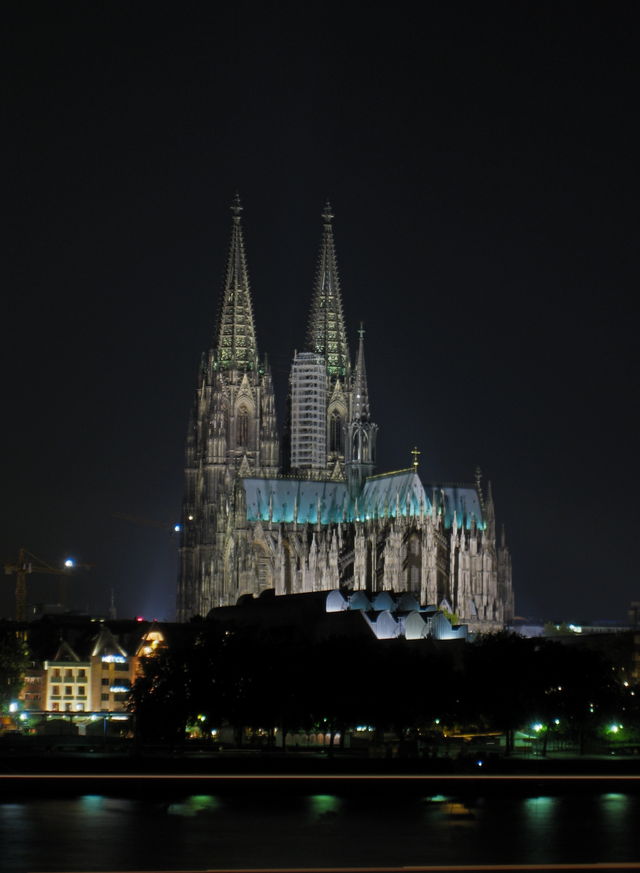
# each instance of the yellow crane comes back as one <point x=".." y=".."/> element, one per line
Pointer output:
<point x="28" y="563"/>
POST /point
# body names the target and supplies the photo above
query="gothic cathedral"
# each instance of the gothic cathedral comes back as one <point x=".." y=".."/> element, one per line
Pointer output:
<point x="311" y="514"/>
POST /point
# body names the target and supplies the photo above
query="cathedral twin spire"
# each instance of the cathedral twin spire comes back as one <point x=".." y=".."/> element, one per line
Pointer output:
<point x="326" y="333"/>
<point x="236" y="348"/>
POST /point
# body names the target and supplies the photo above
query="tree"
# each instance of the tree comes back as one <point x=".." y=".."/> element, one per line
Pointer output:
<point x="14" y="660"/>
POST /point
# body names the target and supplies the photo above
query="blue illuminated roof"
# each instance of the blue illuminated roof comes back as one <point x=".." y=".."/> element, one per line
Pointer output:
<point x="395" y="493"/>
<point x="302" y="496"/>
<point x="383" y="496"/>
<point x="461" y="499"/>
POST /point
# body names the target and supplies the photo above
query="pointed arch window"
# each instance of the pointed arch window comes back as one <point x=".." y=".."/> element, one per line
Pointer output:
<point x="242" y="427"/>
<point x="336" y="443"/>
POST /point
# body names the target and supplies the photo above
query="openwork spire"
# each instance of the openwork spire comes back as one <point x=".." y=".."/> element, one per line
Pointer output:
<point x="360" y="390"/>
<point x="326" y="334"/>
<point x="237" y="348"/>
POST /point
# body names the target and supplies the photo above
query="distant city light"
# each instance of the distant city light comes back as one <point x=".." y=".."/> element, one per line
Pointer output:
<point x="13" y="707"/>
<point x="69" y="563"/>
<point x="479" y="763"/>
<point x="190" y="517"/>
<point x="537" y="727"/>
<point x="177" y="528"/>
<point x="556" y="721"/>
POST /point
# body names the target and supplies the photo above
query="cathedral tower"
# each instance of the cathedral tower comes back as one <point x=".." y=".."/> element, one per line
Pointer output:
<point x="232" y="432"/>
<point x="326" y="336"/>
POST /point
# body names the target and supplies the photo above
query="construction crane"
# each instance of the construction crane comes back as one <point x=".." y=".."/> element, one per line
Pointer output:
<point x="28" y="563"/>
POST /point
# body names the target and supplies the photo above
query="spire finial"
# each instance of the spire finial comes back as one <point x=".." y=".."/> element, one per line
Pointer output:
<point x="415" y="454"/>
<point x="361" y="330"/>
<point x="236" y="207"/>
<point x="328" y="212"/>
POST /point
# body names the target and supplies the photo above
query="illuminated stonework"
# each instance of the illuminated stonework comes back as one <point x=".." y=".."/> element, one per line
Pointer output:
<point x="327" y="522"/>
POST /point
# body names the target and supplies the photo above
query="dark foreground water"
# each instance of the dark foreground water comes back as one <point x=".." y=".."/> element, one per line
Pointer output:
<point x="199" y="831"/>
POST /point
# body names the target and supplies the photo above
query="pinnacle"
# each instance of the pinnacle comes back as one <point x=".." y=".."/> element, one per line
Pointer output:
<point x="327" y="213"/>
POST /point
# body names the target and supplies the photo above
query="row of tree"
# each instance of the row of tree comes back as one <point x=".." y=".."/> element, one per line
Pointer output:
<point x="501" y="681"/>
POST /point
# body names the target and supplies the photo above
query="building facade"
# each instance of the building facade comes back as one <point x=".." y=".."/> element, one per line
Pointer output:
<point x="316" y="517"/>
<point x="95" y="680"/>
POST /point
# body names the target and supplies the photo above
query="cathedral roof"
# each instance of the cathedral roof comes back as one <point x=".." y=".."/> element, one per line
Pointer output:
<point x="390" y="494"/>
<point x="463" y="500"/>
<point x="398" y="493"/>
<point x="296" y="500"/>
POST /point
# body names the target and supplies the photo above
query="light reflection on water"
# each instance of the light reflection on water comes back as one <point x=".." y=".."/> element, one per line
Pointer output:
<point x="99" y="832"/>
<point x="197" y="803"/>
<point x="324" y="805"/>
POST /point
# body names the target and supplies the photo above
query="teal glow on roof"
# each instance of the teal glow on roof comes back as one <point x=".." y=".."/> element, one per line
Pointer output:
<point x="282" y="498"/>
<point x="396" y="494"/>
<point x="461" y="499"/>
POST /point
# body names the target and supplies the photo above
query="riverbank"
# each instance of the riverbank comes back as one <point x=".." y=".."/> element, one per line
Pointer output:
<point x="157" y="763"/>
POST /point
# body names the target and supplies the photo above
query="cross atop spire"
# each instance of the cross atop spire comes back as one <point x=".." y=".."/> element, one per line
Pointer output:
<point x="236" y="347"/>
<point x="360" y="388"/>
<point x="326" y="333"/>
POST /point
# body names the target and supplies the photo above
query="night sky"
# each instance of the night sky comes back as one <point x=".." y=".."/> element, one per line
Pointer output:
<point x="482" y="164"/>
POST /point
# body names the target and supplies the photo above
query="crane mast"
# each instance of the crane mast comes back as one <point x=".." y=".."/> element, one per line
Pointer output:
<point x="26" y="564"/>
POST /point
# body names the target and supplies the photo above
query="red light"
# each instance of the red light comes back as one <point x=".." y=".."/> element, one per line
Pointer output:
<point x="139" y="618"/>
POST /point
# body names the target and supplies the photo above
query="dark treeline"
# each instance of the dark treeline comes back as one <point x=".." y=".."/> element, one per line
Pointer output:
<point x="499" y="682"/>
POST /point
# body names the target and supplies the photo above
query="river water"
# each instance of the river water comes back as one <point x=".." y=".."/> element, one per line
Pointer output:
<point x="92" y="832"/>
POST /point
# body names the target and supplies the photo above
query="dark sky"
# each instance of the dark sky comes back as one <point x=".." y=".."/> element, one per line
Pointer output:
<point x="482" y="165"/>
